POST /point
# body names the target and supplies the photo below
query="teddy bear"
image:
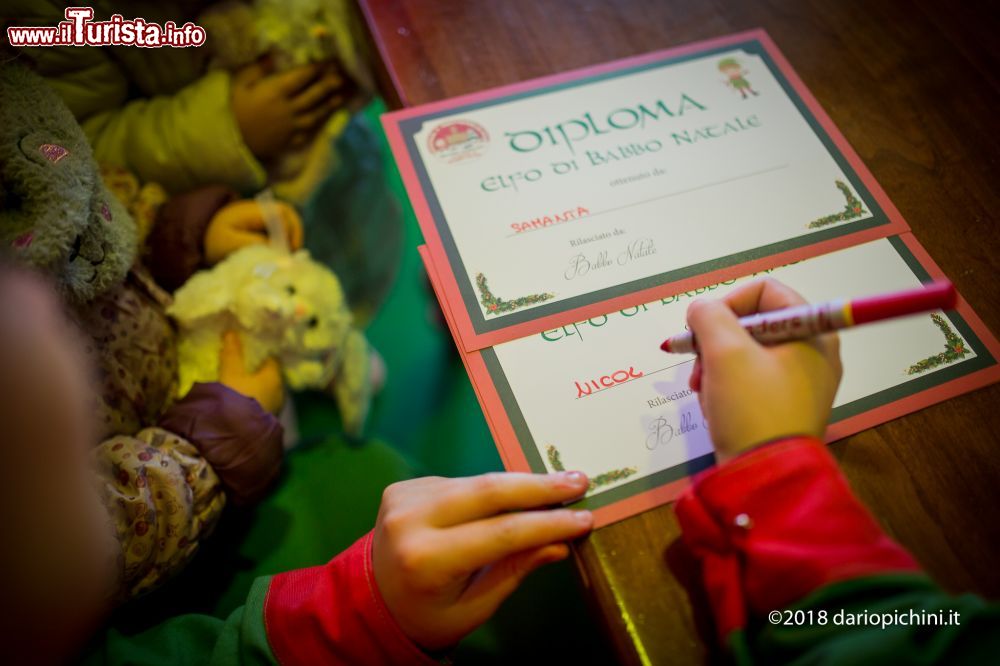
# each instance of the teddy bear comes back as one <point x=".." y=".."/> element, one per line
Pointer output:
<point x="165" y="466"/>
<point x="283" y="305"/>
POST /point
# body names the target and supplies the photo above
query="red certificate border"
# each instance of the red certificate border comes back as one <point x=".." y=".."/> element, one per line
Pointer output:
<point x="466" y="336"/>
<point x="514" y="459"/>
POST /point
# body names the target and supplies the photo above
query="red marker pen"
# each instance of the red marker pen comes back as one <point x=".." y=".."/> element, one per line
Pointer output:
<point x="805" y="321"/>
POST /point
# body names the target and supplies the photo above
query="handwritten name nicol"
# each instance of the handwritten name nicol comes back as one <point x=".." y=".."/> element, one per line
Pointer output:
<point x="603" y="382"/>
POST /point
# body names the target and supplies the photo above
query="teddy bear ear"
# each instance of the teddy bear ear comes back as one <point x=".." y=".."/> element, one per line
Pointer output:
<point x="206" y="294"/>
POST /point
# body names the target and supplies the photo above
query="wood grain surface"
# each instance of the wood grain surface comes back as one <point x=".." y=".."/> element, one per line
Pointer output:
<point x="915" y="88"/>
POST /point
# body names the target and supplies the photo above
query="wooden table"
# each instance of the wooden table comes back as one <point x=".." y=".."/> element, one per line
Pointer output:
<point x="915" y="87"/>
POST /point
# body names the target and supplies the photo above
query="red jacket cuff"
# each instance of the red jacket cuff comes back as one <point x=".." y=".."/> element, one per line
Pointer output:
<point x="777" y="523"/>
<point x="334" y="614"/>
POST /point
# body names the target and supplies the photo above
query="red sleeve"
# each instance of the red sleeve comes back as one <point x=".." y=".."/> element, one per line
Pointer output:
<point x="176" y="243"/>
<point x="777" y="523"/>
<point x="334" y="614"/>
<point x="241" y="440"/>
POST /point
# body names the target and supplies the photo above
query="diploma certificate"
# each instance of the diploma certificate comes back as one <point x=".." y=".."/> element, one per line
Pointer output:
<point x="570" y="220"/>
<point x="599" y="396"/>
<point x="565" y="198"/>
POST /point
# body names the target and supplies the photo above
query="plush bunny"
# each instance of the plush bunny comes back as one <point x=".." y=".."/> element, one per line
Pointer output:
<point x="282" y="305"/>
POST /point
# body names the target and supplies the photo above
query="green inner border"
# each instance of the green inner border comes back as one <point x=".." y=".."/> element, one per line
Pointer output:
<point x="410" y="126"/>
<point x="983" y="359"/>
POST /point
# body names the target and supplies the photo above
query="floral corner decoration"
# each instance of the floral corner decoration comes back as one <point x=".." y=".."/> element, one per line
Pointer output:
<point x="954" y="349"/>
<point x="603" y="479"/>
<point x="555" y="460"/>
<point x="610" y="477"/>
<point x="852" y="209"/>
<point x="495" y="305"/>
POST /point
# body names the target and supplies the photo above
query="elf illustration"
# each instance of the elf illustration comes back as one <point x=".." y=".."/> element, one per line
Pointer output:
<point x="735" y="73"/>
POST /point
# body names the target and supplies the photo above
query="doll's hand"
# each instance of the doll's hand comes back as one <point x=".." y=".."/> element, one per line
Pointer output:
<point x="447" y="552"/>
<point x="751" y="394"/>
<point x="279" y="111"/>
<point x="265" y="385"/>
<point x="242" y="223"/>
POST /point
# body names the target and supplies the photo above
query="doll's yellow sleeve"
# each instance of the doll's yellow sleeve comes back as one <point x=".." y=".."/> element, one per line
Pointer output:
<point x="182" y="141"/>
<point x="163" y="499"/>
<point x="352" y="387"/>
<point x="180" y="136"/>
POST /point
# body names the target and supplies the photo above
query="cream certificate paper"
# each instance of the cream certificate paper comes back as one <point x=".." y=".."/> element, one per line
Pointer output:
<point x="575" y="193"/>
<point x="599" y="396"/>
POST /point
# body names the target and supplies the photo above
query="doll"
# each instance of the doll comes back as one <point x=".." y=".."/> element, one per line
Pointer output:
<point x="165" y="467"/>
<point x="283" y="305"/>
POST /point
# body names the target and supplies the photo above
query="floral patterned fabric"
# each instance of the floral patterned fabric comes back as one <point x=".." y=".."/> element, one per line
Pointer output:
<point x="163" y="499"/>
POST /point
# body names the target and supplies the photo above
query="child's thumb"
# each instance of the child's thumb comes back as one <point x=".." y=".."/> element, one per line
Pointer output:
<point x="499" y="581"/>
<point x="716" y="328"/>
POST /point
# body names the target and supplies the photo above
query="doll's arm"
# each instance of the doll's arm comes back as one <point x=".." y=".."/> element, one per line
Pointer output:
<point x="780" y="536"/>
<point x="352" y="386"/>
<point x="166" y="486"/>
<point x="181" y="141"/>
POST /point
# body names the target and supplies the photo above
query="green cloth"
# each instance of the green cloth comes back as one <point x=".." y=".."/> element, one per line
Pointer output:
<point x="974" y="640"/>
<point x="195" y="639"/>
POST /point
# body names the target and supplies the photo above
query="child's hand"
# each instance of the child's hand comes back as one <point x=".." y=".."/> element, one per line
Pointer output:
<point x="264" y="385"/>
<point x="751" y="394"/>
<point x="447" y="552"/>
<point x="242" y="223"/>
<point x="276" y="112"/>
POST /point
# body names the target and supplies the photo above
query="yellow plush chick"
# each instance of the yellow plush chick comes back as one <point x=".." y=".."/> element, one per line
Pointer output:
<point x="283" y="306"/>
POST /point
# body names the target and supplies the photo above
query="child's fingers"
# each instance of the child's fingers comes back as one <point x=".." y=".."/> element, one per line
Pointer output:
<point x="829" y="344"/>
<point x="694" y="381"/>
<point x="716" y="328"/>
<point x="769" y="294"/>
<point x="762" y="296"/>
<point x="484" y="542"/>
<point x="500" y="580"/>
<point x="466" y="499"/>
